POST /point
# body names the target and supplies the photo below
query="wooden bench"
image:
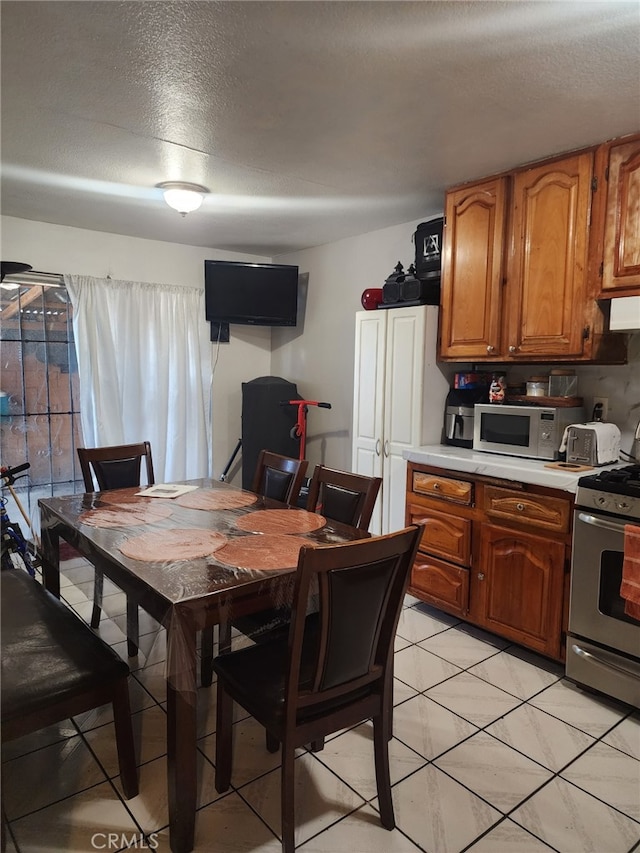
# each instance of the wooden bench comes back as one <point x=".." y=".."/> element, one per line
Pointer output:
<point x="54" y="667"/>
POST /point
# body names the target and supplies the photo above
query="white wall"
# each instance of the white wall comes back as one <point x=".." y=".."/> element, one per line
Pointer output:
<point x="59" y="249"/>
<point x="321" y="360"/>
<point x="318" y="354"/>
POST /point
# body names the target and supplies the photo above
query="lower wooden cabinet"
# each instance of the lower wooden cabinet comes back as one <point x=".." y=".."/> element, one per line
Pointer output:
<point x="499" y="561"/>
<point x="518" y="587"/>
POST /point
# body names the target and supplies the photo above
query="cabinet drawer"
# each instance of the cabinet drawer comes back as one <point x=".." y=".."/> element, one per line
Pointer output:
<point x="531" y="510"/>
<point x="457" y="491"/>
<point x="441" y="584"/>
<point x="443" y="535"/>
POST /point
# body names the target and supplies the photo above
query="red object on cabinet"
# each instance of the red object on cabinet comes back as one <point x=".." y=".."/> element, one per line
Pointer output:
<point x="371" y="298"/>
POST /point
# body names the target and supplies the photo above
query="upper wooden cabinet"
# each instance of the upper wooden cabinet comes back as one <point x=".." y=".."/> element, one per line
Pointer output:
<point x="548" y="313"/>
<point x="516" y="282"/>
<point x="472" y="270"/>
<point x="617" y="218"/>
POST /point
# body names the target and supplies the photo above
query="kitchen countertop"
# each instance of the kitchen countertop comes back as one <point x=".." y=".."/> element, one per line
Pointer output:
<point x="497" y="465"/>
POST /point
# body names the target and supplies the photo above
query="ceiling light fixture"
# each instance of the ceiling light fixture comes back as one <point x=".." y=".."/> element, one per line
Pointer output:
<point x="183" y="197"/>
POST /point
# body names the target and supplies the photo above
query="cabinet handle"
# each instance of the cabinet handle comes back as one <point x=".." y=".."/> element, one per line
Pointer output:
<point x="513" y="349"/>
<point x="520" y="507"/>
<point x="480" y="576"/>
<point x="378" y="447"/>
<point x="436" y="486"/>
<point x="385" y="449"/>
<point x="490" y="348"/>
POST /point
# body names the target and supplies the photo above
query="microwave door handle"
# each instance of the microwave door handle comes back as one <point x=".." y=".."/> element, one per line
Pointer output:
<point x="601" y="522"/>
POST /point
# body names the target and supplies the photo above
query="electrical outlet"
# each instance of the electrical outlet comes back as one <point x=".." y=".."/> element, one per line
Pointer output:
<point x="604" y="402"/>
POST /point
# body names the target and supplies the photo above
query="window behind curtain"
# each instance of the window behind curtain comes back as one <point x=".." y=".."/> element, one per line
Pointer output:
<point x="40" y="419"/>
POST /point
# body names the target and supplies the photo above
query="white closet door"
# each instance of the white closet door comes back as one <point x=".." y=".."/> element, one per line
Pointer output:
<point x="404" y="375"/>
<point x="368" y="400"/>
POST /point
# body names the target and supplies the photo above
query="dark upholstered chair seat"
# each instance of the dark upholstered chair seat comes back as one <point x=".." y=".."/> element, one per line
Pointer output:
<point x="48" y="655"/>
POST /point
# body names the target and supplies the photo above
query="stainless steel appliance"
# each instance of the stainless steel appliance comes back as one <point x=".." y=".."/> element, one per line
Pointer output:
<point x="458" y="418"/>
<point x="635" y="447"/>
<point x="523" y="430"/>
<point x="603" y="643"/>
<point x="593" y="444"/>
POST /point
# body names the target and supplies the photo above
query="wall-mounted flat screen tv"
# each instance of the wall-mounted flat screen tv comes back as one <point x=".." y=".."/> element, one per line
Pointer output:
<point x="251" y="294"/>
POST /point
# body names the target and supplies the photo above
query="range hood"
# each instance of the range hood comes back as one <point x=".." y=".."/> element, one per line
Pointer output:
<point x="625" y="314"/>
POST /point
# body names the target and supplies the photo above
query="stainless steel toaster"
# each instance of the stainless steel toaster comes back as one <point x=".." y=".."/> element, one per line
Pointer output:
<point x="594" y="443"/>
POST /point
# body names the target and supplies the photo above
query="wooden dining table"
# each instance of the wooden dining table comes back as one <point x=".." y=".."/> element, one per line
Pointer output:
<point x="193" y="561"/>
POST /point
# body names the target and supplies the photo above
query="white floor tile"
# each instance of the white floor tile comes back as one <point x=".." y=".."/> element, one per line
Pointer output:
<point x="494" y="771"/>
<point x="359" y="832"/>
<point x="40" y="778"/>
<point x="428" y="728"/>
<point x="438" y="813"/>
<point x="609" y="775"/>
<point x="350" y="756"/>
<point x="575" y="822"/>
<point x="514" y="675"/>
<point x="508" y="837"/>
<point x="474" y="699"/>
<point x="414" y="625"/>
<point x="420" y="669"/>
<point x="459" y="647"/>
<point x="77" y="824"/>
<point x="542" y="737"/>
<point x="321" y="798"/>
<point x="626" y="736"/>
<point x="593" y="714"/>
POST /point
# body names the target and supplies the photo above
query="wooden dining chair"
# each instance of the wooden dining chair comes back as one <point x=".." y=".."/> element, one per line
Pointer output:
<point x="332" y="671"/>
<point x="343" y="496"/>
<point x="338" y="496"/>
<point x="54" y="667"/>
<point x="277" y="477"/>
<point x="115" y="467"/>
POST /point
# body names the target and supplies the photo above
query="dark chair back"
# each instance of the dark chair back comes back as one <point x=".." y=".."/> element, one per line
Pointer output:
<point x="115" y="467"/>
<point x="279" y="477"/>
<point x="343" y="496"/>
<point x="344" y="649"/>
<point x="334" y="669"/>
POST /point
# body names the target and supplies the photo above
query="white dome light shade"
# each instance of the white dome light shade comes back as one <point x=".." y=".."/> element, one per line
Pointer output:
<point x="183" y="197"/>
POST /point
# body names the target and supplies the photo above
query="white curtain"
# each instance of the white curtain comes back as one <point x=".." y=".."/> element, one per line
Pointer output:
<point x="144" y="363"/>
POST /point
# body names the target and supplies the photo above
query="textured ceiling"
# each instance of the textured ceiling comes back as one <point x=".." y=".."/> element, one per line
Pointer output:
<point x="307" y="121"/>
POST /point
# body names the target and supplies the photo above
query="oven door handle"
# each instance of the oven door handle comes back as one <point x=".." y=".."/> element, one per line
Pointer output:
<point x="601" y="522"/>
<point x="606" y="664"/>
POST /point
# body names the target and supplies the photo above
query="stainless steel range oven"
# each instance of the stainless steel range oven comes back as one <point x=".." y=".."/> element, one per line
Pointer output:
<point x="603" y="644"/>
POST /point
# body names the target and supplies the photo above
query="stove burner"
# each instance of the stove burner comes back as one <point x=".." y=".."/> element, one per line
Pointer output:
<point x="631" y="473"/>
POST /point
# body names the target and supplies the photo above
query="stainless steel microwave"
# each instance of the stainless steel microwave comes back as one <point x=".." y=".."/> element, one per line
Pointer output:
<point x="534" y="432"/>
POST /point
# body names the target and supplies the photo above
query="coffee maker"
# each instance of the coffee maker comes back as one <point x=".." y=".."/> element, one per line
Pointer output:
<point x="458" y="418"/>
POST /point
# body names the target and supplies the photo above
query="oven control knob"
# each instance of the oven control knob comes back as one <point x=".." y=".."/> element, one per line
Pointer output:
<point x="602" y="501"/>
<point x="623" y="506"/>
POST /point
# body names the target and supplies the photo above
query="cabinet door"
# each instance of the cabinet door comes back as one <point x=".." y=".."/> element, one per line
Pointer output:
<point x="472" y="270"/>
<point x="547" y="269"/>
<point x="368" y="399"/>
<point x="621" y="262"/>
<point x="518" y="590"/>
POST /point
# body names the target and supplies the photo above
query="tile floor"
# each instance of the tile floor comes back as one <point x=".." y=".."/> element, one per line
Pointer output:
<point x="493" y="752"/>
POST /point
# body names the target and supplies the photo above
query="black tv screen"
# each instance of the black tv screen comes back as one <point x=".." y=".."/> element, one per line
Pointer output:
<point x="251" y="294"/>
